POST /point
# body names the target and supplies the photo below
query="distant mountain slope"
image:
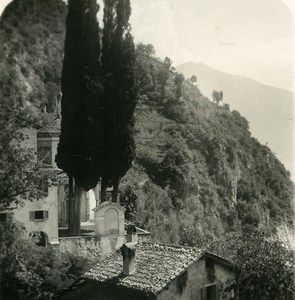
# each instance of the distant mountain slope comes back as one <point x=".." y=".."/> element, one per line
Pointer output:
<point x="269" y="110"/>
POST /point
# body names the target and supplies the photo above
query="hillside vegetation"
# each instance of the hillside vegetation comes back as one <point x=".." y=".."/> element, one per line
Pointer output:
<point x="269" y="110"/>
<point x="198" y="173"/>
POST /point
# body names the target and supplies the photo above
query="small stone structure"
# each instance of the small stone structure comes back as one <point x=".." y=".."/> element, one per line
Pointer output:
<point x="111" y="232"/>
<point x="109" y="219"/>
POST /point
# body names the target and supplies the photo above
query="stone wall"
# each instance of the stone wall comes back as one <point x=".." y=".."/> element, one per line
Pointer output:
<point x="94" y="248"/>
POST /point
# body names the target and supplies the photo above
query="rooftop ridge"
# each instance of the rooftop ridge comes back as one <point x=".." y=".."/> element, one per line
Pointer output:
<point x="157" y="265"/>
<point x="172" y="245"/>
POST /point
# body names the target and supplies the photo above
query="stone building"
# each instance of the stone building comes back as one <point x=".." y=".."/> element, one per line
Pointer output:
<point x="143" y="270"/>
<point x="43" y="217"/>
<point x="39" y="217"/>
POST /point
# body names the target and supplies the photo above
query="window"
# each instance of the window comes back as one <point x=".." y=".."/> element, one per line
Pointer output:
<point x="39" y="215"/>
<point x="209" y="292"/>
<point x="3" y="217"/>
<point x="44" y="152"/>
<point x="210" y="269"/>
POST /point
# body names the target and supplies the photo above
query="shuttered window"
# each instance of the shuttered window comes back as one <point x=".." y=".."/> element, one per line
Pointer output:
<point x="39" y="215"/>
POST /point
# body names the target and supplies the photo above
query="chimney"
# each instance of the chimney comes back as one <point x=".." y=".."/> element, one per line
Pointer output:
<point x="131" y="234"/>
<point x="128" y="253"/>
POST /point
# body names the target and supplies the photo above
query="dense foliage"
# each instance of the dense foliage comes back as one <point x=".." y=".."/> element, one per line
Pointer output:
<point x="216" y="177"/>
<point x="31" y="48"/>
<point x="29" y="85"/>
<point x="79" y="153"/>
<point x="264" y="266"/>
<point x="28" y="80"/>
<point x="118" y="67"/>
<point x="21" y="177"/>
<point x="32" y="272"/>
<point x="266" y="269"/>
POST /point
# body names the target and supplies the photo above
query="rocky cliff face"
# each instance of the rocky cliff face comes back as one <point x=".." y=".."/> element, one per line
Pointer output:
<point x="198" y="173"/>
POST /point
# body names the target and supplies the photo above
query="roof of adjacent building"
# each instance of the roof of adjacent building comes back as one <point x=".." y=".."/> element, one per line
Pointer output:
<point x="156" y="266"/>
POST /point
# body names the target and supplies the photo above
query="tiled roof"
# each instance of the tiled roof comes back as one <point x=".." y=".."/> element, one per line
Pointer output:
<point x="156" y="266"/>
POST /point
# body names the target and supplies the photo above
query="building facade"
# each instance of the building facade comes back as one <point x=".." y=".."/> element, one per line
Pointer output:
<point x="42" y="217"/>
<point x="156" y="271"/>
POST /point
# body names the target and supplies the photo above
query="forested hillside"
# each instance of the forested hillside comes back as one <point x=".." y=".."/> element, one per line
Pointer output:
<point x="198" y="173"/>
<point x="31" y="51"/>
<point x="268" y="109"/>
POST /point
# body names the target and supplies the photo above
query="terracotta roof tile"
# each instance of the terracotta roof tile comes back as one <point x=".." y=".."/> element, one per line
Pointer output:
<point x="156" y="266"/>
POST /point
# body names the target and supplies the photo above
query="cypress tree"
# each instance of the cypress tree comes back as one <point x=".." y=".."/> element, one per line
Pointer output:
<point x="118" y="69"/>
<point x="79" y="150"/>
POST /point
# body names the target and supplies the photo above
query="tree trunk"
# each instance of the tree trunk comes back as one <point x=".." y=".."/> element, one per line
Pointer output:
<point x="103" y="191"/>
<point x="71" y="207"/>
<point x="77" y="210"/>
<point x="97" y="191"/>
<point x="115" y="194"/>
<point x="0" y="284"/>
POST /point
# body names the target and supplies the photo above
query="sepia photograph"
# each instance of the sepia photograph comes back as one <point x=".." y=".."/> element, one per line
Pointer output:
<point x="147" y="150"/>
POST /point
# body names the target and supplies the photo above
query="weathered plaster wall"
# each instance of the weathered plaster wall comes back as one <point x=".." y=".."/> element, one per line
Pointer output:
<point x="49" y="226"/>
<point x="197" y="278"/>
<point x="94" y="248"/>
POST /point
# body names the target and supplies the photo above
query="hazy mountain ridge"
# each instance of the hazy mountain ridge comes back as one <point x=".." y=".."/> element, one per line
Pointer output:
<point x="269" y="110"/>
<point x="197" y="171"/>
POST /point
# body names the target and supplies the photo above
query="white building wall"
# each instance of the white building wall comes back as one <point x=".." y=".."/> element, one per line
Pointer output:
<point x="21" y="216"/>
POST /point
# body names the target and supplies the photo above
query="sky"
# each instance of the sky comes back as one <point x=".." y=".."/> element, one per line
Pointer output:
<point x="253" y="38"/>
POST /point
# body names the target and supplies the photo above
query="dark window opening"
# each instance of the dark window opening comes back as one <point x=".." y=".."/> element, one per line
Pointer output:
<point x="210" y="269"/>
<point x="209" y="292"/>
<point x="39" y="215"/>
<point x="3" y="217"/>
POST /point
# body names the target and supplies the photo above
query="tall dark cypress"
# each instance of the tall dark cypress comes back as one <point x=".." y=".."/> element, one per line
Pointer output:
<point x="79" y="150"/>
<point x="118" y="69"/>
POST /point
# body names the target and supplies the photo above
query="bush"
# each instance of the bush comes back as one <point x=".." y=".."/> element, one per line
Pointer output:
<point x="30" y="272"/>
<point x="265" y="269"/>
